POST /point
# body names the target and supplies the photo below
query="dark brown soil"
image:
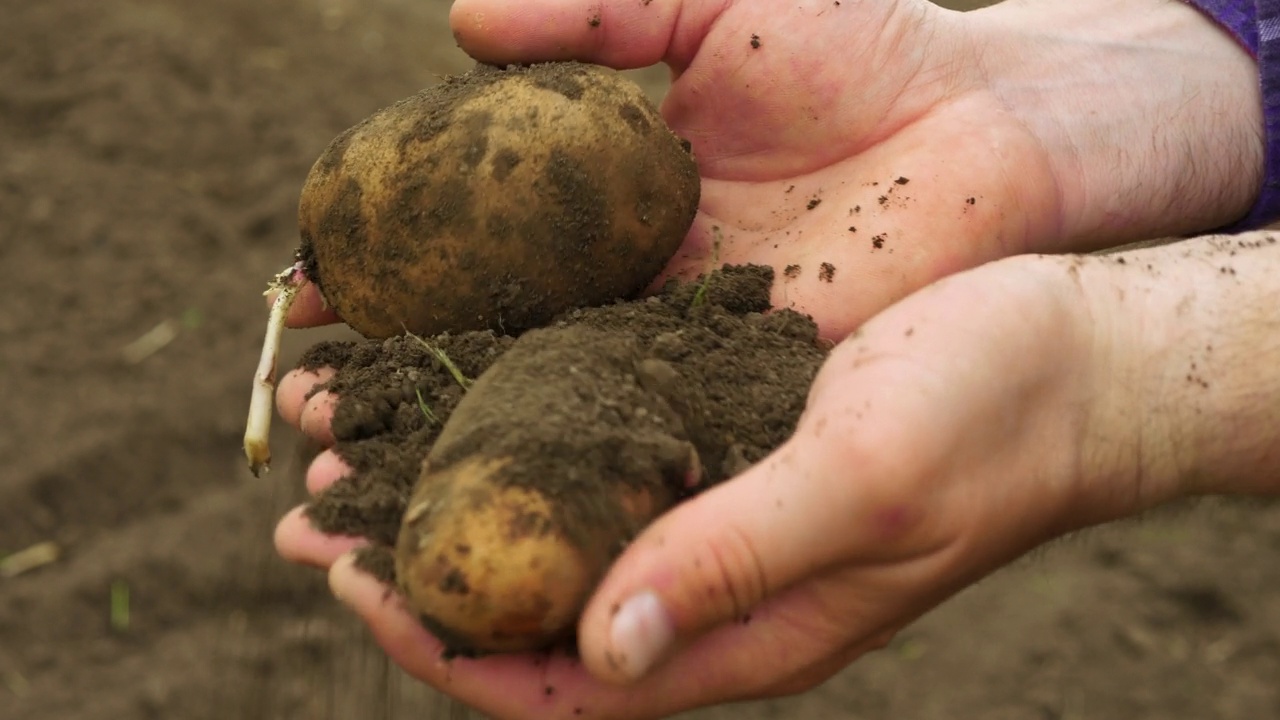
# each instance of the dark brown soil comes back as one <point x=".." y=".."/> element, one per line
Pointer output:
<point x="607" y="397"/>
<point x="151" y="155"/>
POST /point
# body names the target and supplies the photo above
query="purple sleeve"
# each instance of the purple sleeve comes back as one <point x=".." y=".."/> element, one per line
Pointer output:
<point x="1256" y="24"/>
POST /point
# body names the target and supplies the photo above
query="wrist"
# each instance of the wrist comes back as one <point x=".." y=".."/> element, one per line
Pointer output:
<point x="1149" y="113"/>
<point x="1187" y="387"/>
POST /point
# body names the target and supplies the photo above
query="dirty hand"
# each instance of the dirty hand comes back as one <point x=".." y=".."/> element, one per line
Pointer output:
<point x="969" y="423"/>
<point x="898" y="142"/>
<point x="961" y="427"/>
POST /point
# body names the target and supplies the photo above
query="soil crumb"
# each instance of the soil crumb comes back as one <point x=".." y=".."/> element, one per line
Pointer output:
<point x="743" y="369"/>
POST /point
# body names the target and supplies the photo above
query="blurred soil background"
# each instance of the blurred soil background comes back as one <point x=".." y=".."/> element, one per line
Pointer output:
<point x="151" y="154"/>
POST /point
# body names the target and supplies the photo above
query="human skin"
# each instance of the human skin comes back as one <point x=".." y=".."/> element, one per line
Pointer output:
<point x="1058" y="118"/>
<point x="960" y="428"/>
<point x="969" y="419"/>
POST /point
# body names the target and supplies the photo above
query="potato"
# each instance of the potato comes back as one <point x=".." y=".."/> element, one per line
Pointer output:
<point x="536" y="483"/>
<point x="496" y="199"/>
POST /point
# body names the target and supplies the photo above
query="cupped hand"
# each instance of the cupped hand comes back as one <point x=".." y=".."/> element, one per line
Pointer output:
<point x="947" y="437"/>
<point x="856" y="142"/>
<point x="940" y="441"/>
<point x="872" y="147"/>
<point x="959" y="429"/>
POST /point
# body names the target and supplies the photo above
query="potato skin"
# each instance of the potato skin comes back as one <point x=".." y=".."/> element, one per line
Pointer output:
<point x="496" y="199"/>
<point x="486" y="566"/>
<point x="512" y="524"/>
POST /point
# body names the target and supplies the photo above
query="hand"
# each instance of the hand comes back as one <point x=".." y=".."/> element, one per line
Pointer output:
<point x="960" y="428"/>
<point x="951" y="103"/>
<point x="907" y="479"/>
<point x="1025" y="127"/>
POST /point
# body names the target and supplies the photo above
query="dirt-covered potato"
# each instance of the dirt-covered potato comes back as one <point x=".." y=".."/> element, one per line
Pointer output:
<point x="496" y="199"/>
<point x="558" y="455"/>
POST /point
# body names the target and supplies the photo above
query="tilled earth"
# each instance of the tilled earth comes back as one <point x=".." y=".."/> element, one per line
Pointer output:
<point x="151" y="153"/>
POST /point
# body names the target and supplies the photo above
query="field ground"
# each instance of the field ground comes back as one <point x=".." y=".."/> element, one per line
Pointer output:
<point x="152" y="155"/>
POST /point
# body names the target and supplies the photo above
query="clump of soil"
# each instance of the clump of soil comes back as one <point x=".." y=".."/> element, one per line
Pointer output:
<point x="752" y="370"/>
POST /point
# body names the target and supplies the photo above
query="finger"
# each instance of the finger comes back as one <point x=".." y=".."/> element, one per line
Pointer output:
<point x="716" y="557"/>
<point x="541" y="686"/>
<point x="317" y="417"/>
<point x="722" y="666"/>
<point x="309" y="308"/>
<point x="404" y="639"/>
<point x="326" y="469"/>
<point x="297" y="541"/>
<point x="292" y="391"/>
<point x="618" y="34"/>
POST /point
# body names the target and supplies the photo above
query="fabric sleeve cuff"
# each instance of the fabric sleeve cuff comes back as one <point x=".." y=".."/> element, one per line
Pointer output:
<point x="1256" y="25"/>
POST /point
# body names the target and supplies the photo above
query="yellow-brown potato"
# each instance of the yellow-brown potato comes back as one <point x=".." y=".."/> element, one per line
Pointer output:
<point x="491" y="572"/>
<point x="558" y="455"/>
<point x="496" y="199"/>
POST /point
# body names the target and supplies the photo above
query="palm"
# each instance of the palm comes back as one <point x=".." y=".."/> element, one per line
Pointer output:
<point x="804" y="140"/>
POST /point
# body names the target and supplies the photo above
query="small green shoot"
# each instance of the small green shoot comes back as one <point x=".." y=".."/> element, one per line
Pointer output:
<point x="912" y="649"/>
<point x="700" y="296"/>
<point x="119" y="606"/>
<point x="192" y="318"/>
<point x="461" y="379"/>
<point x="426" y="409"/>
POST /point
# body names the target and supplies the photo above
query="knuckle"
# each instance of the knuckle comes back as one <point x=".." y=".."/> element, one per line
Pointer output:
<point x="875" y="480"/>
<point x="731" y="572"/>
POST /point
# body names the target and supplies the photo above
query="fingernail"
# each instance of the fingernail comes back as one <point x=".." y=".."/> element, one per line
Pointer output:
<point x="641" y="632"/>
<point x="335" y="577"/>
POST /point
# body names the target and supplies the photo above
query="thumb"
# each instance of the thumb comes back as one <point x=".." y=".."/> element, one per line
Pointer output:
<point x="621" y="35"/>
<point x="715" y="557"/>
<point x="916" y="442"/>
